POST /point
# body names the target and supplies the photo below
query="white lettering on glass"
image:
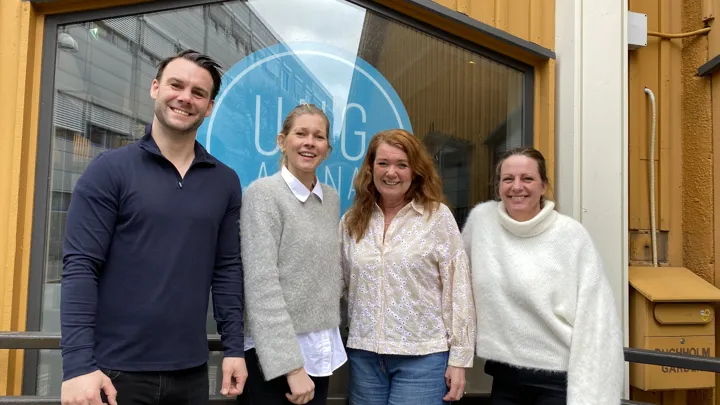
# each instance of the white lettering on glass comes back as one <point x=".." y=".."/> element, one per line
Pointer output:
<point x="257" y="128"/>
<point x="361" y="134"/>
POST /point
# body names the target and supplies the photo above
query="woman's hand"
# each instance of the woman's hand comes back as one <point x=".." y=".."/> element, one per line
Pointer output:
<point x="455" y="380"/>
<point x="302" y="388"/>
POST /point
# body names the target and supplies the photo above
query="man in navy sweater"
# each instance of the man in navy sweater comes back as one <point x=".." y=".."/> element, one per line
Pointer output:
<point x="152" y="229"/>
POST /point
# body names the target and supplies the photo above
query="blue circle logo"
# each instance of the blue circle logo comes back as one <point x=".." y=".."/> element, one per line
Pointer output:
<point x="260" y="90"/>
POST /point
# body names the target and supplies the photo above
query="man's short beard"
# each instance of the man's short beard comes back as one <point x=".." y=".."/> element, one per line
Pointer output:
<point x="159" y="113"/>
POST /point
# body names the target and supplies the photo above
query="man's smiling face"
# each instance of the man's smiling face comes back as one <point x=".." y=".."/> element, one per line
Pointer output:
<point x="182" y="96"/>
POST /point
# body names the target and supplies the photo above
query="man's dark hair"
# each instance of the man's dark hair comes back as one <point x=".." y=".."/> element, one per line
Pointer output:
<point x="201" y="60"/>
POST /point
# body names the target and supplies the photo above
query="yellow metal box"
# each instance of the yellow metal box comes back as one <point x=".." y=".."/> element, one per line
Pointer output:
<point x="671" y="310"/>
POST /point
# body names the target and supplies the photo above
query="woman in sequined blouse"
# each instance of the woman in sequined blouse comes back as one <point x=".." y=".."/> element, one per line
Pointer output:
<point x="410" y="305"/>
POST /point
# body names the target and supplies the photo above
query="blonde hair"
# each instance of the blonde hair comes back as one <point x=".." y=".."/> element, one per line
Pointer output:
<point x="426" y="187"/>
<point x="300" y="110"/>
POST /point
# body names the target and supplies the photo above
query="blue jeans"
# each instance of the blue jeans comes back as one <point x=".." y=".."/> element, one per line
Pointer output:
<point x="385" y="379"/>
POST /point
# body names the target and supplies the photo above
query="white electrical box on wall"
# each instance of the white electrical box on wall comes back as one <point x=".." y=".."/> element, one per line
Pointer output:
<point x="637" y="30"/>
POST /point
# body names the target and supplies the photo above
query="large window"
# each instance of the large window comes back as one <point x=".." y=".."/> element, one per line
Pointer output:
<point x="369" y="70"/>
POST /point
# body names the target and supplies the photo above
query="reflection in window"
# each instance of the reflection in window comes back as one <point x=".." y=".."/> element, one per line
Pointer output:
<point x="284" y="79"/>
<point x="466" y="108"/>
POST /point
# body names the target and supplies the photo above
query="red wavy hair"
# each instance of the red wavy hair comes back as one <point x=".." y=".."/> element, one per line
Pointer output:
<point x="426" y="187"/>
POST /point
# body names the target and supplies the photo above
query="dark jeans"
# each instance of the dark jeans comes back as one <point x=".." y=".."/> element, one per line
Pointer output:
<point x="183" y="387"/>
<point x="260" y="392"/>
<point x="515" y="386"/>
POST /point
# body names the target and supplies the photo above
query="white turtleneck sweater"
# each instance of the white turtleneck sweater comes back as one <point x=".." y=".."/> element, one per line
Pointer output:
<point x="543" y="300"/>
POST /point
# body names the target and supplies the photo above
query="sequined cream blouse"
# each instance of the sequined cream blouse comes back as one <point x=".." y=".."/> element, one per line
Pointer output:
<point x="411" y="293"/>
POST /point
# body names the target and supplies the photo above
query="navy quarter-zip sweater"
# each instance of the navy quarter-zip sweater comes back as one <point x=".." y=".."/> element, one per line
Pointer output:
<point x="143" y="249"/>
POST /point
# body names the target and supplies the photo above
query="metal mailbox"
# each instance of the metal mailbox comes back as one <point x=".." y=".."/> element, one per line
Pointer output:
<point x="671" y="310"/>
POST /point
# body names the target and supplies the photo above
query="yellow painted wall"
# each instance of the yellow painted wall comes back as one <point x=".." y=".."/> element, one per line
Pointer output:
<point x="684" y="158"/>
<point x="532" y="20"/>
<point x="19" y="56"/>
<point x="698" y="204"/>
<point x="21" y="30"/>
<point x="697" y="148"/>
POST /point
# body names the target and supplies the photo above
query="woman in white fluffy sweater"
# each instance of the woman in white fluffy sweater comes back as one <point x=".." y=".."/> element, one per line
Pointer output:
<point x="547" y="323"/>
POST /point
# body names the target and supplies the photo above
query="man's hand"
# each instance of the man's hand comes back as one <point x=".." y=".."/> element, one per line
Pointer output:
<point x="455" y="380"/>
<point x="234" y="376"/>
<point x="301" y="386"/>
<point x="85" y="390"/>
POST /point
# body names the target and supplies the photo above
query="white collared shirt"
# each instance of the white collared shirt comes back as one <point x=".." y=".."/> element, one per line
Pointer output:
<point x="323" y="350"/>
<point x="298" y="189"/>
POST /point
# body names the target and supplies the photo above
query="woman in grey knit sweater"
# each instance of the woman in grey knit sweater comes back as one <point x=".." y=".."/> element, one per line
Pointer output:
<point x="293" y="280"/>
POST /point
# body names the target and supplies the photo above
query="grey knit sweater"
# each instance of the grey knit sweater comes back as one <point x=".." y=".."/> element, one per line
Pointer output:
<point x="293" y="279"/>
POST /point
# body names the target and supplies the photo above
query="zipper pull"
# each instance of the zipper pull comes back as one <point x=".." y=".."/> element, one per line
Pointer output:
<point x="180" y="184"/>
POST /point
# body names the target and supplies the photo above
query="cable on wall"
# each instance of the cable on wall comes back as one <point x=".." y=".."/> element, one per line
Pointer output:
<point x="681" y="35"/>
<point x="651" y="160"/>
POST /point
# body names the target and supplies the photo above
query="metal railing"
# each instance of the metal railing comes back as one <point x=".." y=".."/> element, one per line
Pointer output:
<point x="43" y="340"/>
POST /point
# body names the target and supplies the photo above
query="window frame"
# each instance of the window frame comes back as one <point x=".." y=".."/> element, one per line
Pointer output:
<point x="43" y="169"/>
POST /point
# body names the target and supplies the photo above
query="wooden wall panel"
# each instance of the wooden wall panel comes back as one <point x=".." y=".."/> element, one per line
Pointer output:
<point x="21" y="31"/>
<point x="520" y="22"/>
<point x="532" y="20"/>
<point x="483" y="11"/>
<point x="657" y="67"/>
<point x="643" y="72"/>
